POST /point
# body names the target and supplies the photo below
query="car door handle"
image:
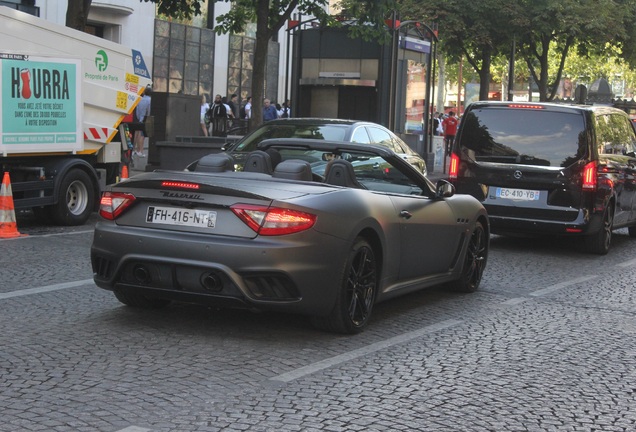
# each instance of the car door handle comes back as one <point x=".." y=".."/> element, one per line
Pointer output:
<point x="405" y="214"/>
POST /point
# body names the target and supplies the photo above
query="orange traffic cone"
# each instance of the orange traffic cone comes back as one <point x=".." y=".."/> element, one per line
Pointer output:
<point x="124" y="172"/>
<point x="8" y="226"/>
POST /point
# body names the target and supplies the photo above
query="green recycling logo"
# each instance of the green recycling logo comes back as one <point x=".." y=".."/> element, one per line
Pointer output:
<point x="101" y="60"/>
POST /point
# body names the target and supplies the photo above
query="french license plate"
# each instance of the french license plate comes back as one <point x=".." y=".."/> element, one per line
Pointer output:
<point x="181" y="217"/>
<point x="518" y="194"/>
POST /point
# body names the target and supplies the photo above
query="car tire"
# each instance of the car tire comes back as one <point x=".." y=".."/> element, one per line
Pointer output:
<point x="631" y="231"/>
<point x="599" y="242"/>
<point x="474" y="261"/>
<point x="141" y="301"/>
<point x="356" y="296"/>
<point x="76" y="199"/>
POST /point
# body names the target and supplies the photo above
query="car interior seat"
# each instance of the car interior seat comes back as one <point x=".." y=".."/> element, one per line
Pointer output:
<point x="339" y="172"/>
<point x="294" y="169"/>
<point x="216" y="162"/>
<point x="259" y="161"/>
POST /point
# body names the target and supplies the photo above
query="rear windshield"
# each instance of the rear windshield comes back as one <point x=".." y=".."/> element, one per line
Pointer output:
<point x="523" y="136"/>
<point x="328" y="132"/>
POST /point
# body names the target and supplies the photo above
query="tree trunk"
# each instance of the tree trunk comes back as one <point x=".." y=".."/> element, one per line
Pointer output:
<point x="543" y="64"/>
<point x="77" y="14"/>
<point x="484" y="74"/>
<point x="441" y="82"/>
<point x="260" y="62"/>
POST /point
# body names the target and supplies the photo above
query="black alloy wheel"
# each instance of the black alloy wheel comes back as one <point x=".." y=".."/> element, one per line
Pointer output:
<point x="599" y="242"/>
<point x="474" y="261"/>
<point x="355" y="300"/>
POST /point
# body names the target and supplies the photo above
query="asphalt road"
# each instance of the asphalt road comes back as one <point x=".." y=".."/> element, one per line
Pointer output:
<point x="547" y="344"/>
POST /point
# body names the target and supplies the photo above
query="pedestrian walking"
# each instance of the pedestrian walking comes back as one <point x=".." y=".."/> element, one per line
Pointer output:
<point x="205" y="121"/>
<point x="218" y="115"/>
<point x="450" y="130"/>
<point x="141" y="112"/>
<point x="269" y="111"/>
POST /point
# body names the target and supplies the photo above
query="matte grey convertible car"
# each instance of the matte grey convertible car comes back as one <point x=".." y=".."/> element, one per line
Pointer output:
<point x="278" y="237"/>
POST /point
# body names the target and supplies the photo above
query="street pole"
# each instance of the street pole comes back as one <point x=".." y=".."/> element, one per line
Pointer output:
<point x="430" y="70"/>
<point x="459" y="85"/>
<point x="431" y="132"/>
<point x="393" y="78"/>
<point x="511" y="70"/>
<point x="289" y="29"/>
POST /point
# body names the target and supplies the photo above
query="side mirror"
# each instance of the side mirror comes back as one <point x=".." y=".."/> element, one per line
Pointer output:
<point x="444" y="189"/>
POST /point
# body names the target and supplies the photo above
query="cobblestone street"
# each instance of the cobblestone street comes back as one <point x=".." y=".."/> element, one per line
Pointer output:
<point x="547" y="344"/>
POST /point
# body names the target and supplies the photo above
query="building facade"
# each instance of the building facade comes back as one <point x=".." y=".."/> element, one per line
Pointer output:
<point x="324" y="72"/>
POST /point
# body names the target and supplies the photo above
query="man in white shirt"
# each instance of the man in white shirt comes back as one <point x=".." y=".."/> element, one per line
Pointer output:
<point x="248" y="108"/>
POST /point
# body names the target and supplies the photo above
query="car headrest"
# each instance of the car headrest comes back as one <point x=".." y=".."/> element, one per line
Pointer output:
<point x="294" y="169"/>
<point x="259" y="161"/>
<point x="274" y="155"/>
<point x="217" y="162"/>
<point x="340" y="172"/>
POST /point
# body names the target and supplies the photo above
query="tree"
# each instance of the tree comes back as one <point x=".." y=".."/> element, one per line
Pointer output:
<point x="77" y="14"/>
<point x="476" y="31"/>
<point x="560" y="25"/>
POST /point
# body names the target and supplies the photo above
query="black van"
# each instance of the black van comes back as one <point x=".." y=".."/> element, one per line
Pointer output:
<point x="546" y="168"/>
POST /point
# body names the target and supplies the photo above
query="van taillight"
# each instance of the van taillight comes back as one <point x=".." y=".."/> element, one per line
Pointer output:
<point x="589" y="177"/>
<point x="454" y="166"/>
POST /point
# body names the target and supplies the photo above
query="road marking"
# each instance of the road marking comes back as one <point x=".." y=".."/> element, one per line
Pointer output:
<point x="48" y="288"/>
<point x="30" y="236"/>
<point x="134" y="429"/>
<point x="629" y="263"/>
<point x="351" y="355"/>
<point x="552" y="288"/>
<point x="514" y="301"/>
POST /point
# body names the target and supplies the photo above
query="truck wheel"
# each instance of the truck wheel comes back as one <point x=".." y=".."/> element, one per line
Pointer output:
<point x="76" y="199"/>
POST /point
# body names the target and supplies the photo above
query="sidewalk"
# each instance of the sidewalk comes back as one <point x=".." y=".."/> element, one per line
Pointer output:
<point x="139" y="163"/>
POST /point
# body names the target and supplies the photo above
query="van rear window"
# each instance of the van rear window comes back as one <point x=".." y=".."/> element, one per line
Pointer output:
<point x="523" y="136"/>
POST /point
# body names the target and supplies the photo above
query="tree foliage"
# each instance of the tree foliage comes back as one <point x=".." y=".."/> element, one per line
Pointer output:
<point x="475" y="31"/>
<point x="550" y="26"/>
<point x="545" y="33"/>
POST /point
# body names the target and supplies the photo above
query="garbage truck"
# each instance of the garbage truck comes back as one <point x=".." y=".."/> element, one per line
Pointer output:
<point x="63" y="96"/>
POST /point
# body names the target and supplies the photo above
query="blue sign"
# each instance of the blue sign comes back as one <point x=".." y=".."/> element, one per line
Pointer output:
<point x="415" y="45"/>
<point x="139" y="64"/>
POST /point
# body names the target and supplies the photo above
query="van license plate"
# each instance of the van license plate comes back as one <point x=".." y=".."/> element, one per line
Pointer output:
<point x="181" y="217"/>
<point x="518" y="194"/>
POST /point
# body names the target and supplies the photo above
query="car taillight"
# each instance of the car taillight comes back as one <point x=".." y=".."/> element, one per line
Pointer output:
<point x="113" y="204"/>
<point x="454" y="166"/>
<point x="589" y="177"/>
<point x="273" y="221"/>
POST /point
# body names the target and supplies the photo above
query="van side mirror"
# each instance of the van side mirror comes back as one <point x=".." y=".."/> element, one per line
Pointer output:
<point x="444" y="189"/>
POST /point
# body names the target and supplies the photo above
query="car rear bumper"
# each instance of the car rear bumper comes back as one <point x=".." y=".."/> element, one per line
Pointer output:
<point x="298" y="273"/>
<point x="584" y="224"/>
